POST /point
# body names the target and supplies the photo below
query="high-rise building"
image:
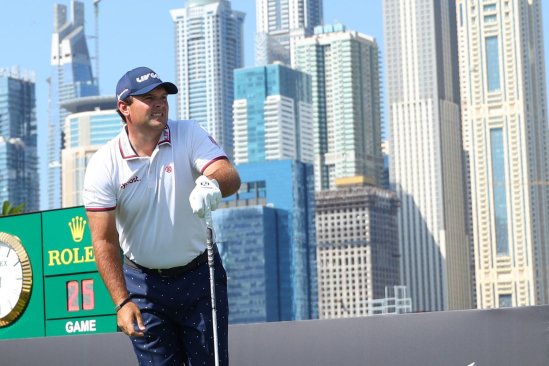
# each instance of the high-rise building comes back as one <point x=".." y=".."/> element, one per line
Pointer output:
<point x="270" y="252"/>
<point x="92" y="123"/>
<point x="505" y="138"/>
<point x="426" y="153"/>
<point x="345" y="73"/>
<point x="357" y="247"/>
<point x="208" y="47"/>
<point x="272" y="114"/>
<point x="280" y="23"/>
<point x="19" y="180"/>
<point x="248" y="244"/>
<point x="71" y="77"/>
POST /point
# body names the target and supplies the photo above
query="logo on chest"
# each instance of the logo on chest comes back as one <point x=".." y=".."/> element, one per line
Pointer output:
<point x="169" y="169"/>
<point x="133" y="180"/>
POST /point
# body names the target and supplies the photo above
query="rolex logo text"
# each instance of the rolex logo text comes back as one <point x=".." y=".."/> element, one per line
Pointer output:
<point x="70" y="256"/>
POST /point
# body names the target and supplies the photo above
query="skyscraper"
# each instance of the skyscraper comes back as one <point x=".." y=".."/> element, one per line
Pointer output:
<point x="71" y="77"/>
<point x="258" y="239"/>
<point x="273" y="115"/>
<point x="92" y="123"/>
<point x="426" y="153"/>
<point x="357" y="247"/>
<point x="279" y="24"/>
<point x="208" y="47"/>
<point x="19" y="181"/>
<point x="345" y="74"/>
<point x="505" y="137"/>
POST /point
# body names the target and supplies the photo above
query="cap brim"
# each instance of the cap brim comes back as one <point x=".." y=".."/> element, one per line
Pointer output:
<point x="170" y="88"/>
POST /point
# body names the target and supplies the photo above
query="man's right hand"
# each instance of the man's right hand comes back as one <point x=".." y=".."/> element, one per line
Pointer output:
<point x="127" y="316"/>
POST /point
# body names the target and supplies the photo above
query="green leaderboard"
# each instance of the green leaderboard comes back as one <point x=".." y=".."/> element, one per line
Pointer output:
<point x="49" y="284"/>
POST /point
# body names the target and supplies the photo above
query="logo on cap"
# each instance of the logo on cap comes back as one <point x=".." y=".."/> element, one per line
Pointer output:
<point x="143" y="78"/>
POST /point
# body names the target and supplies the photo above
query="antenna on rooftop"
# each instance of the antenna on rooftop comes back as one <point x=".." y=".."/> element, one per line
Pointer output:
<point x="96" y="7"/>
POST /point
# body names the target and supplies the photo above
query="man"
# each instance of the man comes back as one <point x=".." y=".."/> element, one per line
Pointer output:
<point x="137" y="192"/>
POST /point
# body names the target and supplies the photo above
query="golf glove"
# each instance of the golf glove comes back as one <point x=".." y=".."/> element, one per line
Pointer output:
<point x="205" y="196"/>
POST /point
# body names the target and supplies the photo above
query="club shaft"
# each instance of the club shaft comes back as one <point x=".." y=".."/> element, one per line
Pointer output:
<point x="210" y="248"/>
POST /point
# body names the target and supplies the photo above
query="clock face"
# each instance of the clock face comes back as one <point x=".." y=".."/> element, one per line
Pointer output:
<point x="15" y="279"/>
<point x="11" y="279"/>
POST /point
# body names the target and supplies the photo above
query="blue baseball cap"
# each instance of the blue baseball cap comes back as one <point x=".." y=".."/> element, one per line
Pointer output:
<point x="139" y="81"/>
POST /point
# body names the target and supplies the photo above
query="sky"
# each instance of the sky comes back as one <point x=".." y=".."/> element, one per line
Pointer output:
<point x="136" y="33"/>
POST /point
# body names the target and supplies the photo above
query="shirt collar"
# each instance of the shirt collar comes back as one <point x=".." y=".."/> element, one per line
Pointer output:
<point x="126" y="149"/>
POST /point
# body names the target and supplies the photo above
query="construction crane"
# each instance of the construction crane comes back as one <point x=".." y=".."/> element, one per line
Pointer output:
<point x="96" y="7"/>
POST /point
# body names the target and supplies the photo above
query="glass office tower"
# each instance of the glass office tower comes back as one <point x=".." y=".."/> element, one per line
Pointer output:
<point x="208" y="47"/>
<point x="272" y="272"/>
<point x="273" y="115"/>
<point x="19" y="179"/>
<point x="71" y="77"/>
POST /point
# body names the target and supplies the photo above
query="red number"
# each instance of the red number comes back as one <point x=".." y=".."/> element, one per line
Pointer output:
<point x="72" y="296"/>
<point x="88" y="299"/>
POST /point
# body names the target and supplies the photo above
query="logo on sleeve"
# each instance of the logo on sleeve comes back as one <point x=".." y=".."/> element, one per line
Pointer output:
<point x="212" y="140"/>
<point x="133" y="180"/>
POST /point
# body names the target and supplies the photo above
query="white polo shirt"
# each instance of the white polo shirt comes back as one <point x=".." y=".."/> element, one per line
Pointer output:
<point x="150" y="195"/>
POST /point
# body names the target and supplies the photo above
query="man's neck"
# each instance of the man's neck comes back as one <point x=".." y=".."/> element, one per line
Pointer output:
<point x="143" y="143"/>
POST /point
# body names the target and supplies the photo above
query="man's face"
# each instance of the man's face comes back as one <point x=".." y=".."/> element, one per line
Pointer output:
<point x="149" y="110"/>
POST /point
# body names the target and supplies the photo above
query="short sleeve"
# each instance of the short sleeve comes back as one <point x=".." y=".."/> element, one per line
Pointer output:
<point x="205" y="149"/>
<point x="98" y="193"/>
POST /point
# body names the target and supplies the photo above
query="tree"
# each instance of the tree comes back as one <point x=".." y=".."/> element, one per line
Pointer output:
<point x="8" y="209"/>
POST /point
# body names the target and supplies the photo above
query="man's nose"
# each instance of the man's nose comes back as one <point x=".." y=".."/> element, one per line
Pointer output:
<point x="160" y="102"/>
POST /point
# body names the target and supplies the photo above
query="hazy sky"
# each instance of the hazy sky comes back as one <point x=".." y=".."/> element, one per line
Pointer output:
<point x="137" y="33"/>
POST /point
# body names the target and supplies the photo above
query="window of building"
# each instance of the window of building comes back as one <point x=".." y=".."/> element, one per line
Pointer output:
<point x="492" y="63"/>
<point x="505" y="301"/>
<point x="500" y="195"/>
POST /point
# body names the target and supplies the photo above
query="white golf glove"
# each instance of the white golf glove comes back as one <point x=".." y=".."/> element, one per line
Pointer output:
<point x="205" y="196"/>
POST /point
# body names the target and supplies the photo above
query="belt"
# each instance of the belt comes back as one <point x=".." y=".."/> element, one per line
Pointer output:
<point x="174" y="271"/>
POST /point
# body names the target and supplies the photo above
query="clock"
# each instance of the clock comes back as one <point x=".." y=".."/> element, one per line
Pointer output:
<point x="15" y="279"/>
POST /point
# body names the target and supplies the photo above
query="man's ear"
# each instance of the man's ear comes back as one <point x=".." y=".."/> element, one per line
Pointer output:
<point x="123" y="108"/>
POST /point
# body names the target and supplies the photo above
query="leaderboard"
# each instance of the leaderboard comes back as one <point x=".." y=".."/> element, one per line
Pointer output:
<point x="49" y="284"/>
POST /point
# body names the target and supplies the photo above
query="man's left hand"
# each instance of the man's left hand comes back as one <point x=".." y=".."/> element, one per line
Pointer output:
<point x="205" y="196"/>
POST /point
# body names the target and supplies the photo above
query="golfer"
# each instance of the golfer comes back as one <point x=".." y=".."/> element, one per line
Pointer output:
<point x="146" y="193"/>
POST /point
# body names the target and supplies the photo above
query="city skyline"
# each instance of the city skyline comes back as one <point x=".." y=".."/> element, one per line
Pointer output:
<point x="119" y="37"/>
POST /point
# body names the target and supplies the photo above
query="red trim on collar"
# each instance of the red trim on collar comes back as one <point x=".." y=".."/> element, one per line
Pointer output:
<point x="212" y="161"/>
<point x="166" y="136"/>
<point x="122" y="152"/>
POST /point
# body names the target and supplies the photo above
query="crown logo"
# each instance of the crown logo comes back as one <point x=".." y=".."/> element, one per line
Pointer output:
<point x="77" y="225"/>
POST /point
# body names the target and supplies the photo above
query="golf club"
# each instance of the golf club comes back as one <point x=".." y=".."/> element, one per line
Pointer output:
<point x="210" y="243"/>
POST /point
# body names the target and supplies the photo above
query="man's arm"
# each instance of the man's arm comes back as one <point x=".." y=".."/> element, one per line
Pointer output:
<point x="226" y="176"/>
<point x="107" y="258"/>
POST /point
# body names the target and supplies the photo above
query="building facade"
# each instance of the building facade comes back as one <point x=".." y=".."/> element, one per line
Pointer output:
<point x="357" y="247"/>
<point x="71" y="77"/>
<point x="19" y="179"/>
<point x="426" y="153"/>
<point x="278" y="214"/>
<point x="248" y="243"/>
<point x="280" y="23"/>
<point x="273" y="115"/>
<point x="92" y="122"/>
<point x="208" y="47"/>
<point x="505" y="137"/>
<point x="345" y="73"/>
